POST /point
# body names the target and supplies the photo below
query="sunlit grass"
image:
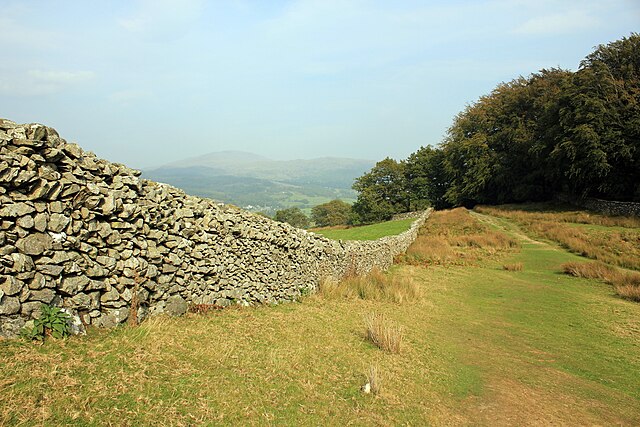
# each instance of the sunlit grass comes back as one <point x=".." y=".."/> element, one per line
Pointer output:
<point x="480" y="346"/>
<point x="366" y="232"/>
<point x="612" y="246"/>
<point x="455" y="237"/>
<point x="625" y="283"/>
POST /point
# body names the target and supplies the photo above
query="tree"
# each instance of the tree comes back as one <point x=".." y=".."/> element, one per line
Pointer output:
<point x="382" y="191"/>
<point x="335" y="212"/>
<point x="600" y="119"/>
<point x="293" y="216"/>
<point x="426" y="179"/>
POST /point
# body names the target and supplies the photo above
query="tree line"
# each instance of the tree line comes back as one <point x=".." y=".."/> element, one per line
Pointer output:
<point x="555" y="131"/>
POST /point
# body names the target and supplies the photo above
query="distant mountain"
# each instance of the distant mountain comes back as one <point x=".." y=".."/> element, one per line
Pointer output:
<point x="258" y="183"/>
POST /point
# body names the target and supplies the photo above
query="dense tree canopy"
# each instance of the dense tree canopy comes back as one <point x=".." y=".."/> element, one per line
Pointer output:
<point x="335" y="212"/>
<point x="383" y="192"/>
<point x="293" y="216"/>
<point x="553" y="132"/>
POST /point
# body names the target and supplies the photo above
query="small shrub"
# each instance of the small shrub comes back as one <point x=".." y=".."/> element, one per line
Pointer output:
<point x="516" y="266"/>
<point x="383" y="333"/>
<point x="52" y="322"/>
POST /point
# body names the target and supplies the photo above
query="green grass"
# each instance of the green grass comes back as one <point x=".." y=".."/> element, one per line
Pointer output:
<point x="366" y="232"/>
<point x="482" y="346"/>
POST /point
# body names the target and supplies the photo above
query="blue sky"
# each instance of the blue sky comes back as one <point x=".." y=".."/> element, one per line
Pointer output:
<point x="148" y="82"/>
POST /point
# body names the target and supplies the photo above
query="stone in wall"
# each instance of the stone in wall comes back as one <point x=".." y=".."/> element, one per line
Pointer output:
<point x="88" y="235"/>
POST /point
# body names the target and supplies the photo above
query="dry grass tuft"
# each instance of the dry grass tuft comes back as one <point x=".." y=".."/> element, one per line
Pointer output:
<point x="376" y="286"/>
<point x="516" y="266"/>
<point x="625" y="283"/>
<point x="629" y="292"/>
<point x="382" y="332"/>
<point x="590" y="270"/>
<point x="374" y="380"/>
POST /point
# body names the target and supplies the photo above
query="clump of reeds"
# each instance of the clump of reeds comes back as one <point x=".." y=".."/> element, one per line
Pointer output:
<point x="383" y="333"/>
<point x="373" y="286"/>
<point x="625" y="283"/>
<point x="516" y="266"/>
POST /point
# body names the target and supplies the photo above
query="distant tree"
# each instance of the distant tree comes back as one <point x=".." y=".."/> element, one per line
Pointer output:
<point x="293" y="216"/>
<point x="426" y="179"/>
<point x="335" y="212"/>
<point x="382" y="191"/>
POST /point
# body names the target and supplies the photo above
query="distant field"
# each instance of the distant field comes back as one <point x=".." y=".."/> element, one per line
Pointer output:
<point x="483" y="344"/>
<point x="366" y="232"/>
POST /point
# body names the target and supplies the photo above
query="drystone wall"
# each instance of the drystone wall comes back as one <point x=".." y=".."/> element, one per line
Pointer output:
<point x="93" y="237"/>
<point x="607" y="207"/>
<point x="610" y="207"/>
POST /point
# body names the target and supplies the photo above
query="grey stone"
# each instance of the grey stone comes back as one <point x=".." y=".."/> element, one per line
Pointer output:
<point x="114" y="317"/>
<point x="35" y="244"/>
<point x="58" y="222"/>
<point x="44" y="295"/>
<point x="22" y="262"/>
<point x="9" y="305"/>
<point x="10" y="327"/>
<point x="176" y="305"/>
<point x="11" y="286"/>
<point x="32" y="309"/>
<point x="16" y="210"/>
<point x="111" y="295"/>
<point x="71" y="285"/>
<point x="76" y="327"/>
<point x="25" y="221"/>
<point x="40" y="222"/>
<point x="81" y="301"/>
<point x="50" y="269"/>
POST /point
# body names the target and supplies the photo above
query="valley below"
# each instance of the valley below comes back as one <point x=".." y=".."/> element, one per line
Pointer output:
<point x="259" y="184"/>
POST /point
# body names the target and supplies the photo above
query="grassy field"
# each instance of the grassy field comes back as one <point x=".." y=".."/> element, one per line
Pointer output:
<point x="613" y="240"/>
<point x="366" y="232"/>
<point x="481" y="345"/>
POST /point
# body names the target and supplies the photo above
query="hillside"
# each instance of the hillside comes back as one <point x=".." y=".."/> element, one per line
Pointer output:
<point x="259" y="183"/>
<point x="482" y="345"/>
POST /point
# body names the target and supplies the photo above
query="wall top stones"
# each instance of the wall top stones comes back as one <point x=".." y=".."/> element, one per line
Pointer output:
<point x="93" y="237"/>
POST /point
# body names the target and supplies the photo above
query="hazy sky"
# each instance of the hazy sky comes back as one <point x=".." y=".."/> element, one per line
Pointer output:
<point x="151" y="81"/>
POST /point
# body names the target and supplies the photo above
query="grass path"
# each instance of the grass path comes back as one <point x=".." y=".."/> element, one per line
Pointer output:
<point x="484" y="346"/>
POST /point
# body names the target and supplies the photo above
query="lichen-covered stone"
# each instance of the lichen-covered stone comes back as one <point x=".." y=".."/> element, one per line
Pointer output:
<point x="176" y="306"/>
<point x="9" y="305"/>
<point x="35" y="244"/>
